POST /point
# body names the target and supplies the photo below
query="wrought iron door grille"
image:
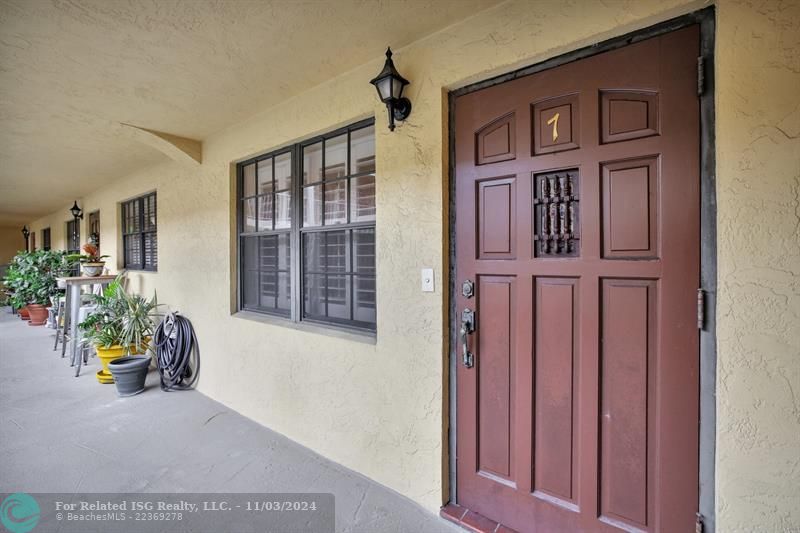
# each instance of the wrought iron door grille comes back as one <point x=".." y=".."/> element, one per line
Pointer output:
<point x="556" y="214"/>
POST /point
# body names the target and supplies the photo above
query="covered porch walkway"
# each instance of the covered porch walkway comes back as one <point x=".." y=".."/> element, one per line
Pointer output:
<point x="59" y="433"/>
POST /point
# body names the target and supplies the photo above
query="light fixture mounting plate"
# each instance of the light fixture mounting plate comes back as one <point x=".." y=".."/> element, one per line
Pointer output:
<point x="401" y="108"/>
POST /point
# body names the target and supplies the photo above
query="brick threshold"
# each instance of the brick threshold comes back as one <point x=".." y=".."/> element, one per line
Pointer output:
<point x="472" y="521"/>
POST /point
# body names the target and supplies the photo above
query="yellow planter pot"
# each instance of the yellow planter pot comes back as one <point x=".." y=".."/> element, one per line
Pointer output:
<point x="106" y="355"/>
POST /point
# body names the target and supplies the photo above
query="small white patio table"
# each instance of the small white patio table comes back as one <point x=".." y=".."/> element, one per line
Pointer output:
<point x="73" y="305"/>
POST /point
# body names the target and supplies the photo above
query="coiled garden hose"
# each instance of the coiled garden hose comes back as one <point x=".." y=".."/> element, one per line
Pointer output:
<point x="177" y="352"/>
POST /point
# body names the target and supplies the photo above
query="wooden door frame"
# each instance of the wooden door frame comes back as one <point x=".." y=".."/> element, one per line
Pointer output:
<point x="708" y="240"/>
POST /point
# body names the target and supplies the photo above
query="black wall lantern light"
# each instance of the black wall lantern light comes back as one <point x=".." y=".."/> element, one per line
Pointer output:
<point x="390" y="84"/>
<point x="26" y="233"/>
<point x="76" y="211"/>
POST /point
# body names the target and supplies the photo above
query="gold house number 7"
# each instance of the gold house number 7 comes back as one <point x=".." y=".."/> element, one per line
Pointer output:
<point x="554" y="121"/>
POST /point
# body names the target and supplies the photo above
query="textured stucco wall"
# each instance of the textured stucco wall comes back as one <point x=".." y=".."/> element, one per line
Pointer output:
<point x="74" y="70"/>
<point x="11" y="242"/>
<point x="107" y="200"/>
<point x="380" y="408"/>
<point x="57" y="222"/>
<point x="758" y="195"/>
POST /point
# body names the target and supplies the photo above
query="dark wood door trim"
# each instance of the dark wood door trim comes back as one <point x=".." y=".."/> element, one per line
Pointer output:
<point x="708" y="242"/>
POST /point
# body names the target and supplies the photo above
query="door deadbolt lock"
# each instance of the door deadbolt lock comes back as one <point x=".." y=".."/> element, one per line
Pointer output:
<point x="468" y="288"/>
<point x="467" y="327"/>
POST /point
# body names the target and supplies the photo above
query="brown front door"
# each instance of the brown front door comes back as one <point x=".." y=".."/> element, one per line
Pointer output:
<point x="577" y="219"/>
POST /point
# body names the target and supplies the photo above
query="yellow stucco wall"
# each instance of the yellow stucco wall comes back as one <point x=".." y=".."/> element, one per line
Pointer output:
<point x="380" y="408"/>
<point x="11" y="242"/>
<point x="758" y="191"/>
<point x="57" y="222"/>
<point x="106" y="200"/>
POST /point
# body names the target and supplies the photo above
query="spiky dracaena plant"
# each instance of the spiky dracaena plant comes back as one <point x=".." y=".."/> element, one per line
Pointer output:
<point x="120" y="319"/>
<point x="138" y="321"/>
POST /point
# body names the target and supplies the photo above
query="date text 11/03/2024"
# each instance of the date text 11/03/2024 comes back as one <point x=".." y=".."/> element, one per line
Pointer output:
<point x="190" y="507"/>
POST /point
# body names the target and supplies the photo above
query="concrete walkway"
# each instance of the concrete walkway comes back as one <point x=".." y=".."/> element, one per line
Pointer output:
<point x="59" y="433"/>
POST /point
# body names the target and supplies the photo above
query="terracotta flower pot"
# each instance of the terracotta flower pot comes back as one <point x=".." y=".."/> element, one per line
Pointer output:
<point x="23" y="313"/>
<point x="38" y="314"/>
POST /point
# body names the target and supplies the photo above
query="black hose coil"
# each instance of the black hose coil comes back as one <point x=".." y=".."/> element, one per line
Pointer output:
<point x="177" y="353"/>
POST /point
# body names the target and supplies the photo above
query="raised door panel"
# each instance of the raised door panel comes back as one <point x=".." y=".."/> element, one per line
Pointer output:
<point x="495" y="368"/>
<point x="630" y="208"/>
<point x="627" y="401"/>
<point x="497" y="220"/>
<point x="496" y="141"/>
<point x="627" y="115"/>
<point x="556" y="124"/>
<point x="554" y="411"/>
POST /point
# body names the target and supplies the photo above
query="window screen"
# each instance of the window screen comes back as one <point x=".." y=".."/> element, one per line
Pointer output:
<point x="307" y="230"/>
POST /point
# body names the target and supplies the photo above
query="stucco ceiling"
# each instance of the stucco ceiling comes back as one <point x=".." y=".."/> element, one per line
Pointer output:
<point x="72" y="70"/>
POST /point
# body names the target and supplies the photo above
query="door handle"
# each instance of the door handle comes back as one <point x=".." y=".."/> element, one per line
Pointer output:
<point x="467" y="327"/>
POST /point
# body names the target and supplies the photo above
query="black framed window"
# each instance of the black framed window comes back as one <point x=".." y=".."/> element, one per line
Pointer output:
<point x="140" y="233"/>
<point x="94" y="228"/>
<point x="46" y="239"/>
<point x="307" y="230"/>
<point x="73" y="236"/>
<point x="266" y="186"/>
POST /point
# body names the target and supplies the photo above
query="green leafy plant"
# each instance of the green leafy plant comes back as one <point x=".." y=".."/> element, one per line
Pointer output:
<point x="102" y="326"/>
<point x="16" y="279"/>
<point x="31" y="276"/>
<point x="121" y="319"/>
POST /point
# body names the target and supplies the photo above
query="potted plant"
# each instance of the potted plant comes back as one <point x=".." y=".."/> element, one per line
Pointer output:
<point x="121" y="328"/>
<point x="18" y="297"/>
<point x="31" y="280"/>
<point x="91" y="263"/>
<point x="42" y="284"/>
<point x="16" y="281"/>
